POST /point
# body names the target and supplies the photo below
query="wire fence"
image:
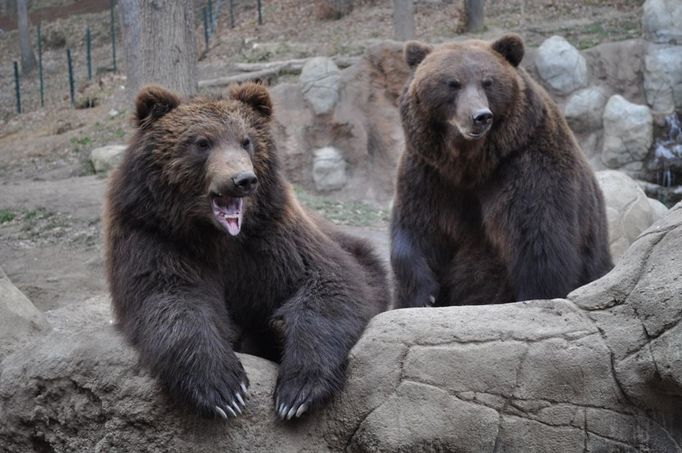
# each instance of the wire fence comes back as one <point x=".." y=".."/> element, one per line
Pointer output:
<point x="58" y="78"/>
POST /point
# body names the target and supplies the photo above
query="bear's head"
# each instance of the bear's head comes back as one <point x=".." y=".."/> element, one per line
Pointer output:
<point x="469" y="85"/>
<point x="204" y="157"/>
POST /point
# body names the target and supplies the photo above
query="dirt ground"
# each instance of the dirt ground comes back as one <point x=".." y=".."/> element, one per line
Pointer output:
<point x="50" y="200"/>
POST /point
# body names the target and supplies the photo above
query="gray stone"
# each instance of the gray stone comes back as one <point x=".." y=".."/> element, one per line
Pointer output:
<point x="329" y="169"/>
<point x="627" y="208"/>
<point x="658" y="209"/>
<point x="584" y="109"/>
<point x="320" y="83"/>
<point x="19" y="318"/>
<point x="561" y="65"/>
<point x="107" y="158"/>
<point x="628" y="133"/>
<point x="663" y="77"/>
<point x="662" y="21"/>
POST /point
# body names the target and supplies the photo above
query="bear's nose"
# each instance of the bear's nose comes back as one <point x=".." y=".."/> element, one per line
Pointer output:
<point x="245" y="183"/>
<point x="483" y="117"/>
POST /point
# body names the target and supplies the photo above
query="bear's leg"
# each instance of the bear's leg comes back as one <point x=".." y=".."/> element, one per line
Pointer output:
<point x="533" y="223"/>
<point x="184" y="338"/>
<point x="415" y="282"/>
<point x="320" y="325"/>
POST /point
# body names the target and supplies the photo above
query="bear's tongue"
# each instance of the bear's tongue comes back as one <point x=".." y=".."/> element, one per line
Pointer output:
<point x="228" y="212"/>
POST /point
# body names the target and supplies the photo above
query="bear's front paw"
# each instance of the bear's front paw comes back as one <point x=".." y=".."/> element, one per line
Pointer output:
<point x="218" y="390"/>
<point x="299" y="391"/>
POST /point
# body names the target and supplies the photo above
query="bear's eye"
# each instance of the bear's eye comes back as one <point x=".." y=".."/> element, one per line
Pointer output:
<point x="202" y="143"/>
<point x="487" y="83"/>
<point x="246" y="143"/>
<point x="454" y="84"/>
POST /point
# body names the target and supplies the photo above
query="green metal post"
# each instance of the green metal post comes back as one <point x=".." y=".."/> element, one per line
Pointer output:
<point x="72" y="91"/>
<point x="210" y="16"/>
<point x="231" y="13"/>
<point x="40" y="67"/>
<point x="113" y="35"/>
<point x="16" y="86"/>
<point x="88" y="52"/>
<point x="260" y="13"/>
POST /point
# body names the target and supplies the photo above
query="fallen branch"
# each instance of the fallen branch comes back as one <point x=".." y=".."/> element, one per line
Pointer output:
<point x="269" y="71"/>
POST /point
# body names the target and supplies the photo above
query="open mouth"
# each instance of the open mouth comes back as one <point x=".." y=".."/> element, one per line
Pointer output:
<point x="229" y="213"/>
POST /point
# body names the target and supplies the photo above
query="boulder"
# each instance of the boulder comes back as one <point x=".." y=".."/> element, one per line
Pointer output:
<point x="329" y="169"/>
<point x="628" y="210"/>
<point x="628" y="133"/>
<point x="658" y="209"/>
<point x="320" y="83"/>
<point x="584" y="109"/>
<point x="598" y="371"/>
<point x="663" y="77"/>
<point x="561" y="66"/>
<point x="618" y="66"/>
<point x="19" y="318"/>
<point x="107" y="158"/>
<point x="662" y="21"/>
<point x="364" y="125"/>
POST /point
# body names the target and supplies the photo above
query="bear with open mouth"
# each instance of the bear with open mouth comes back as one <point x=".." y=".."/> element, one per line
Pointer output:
<point x="209" y="253"/>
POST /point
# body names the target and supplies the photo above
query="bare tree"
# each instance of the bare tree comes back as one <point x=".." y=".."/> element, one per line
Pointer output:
<point x="403" y="19"/>
<point x="474" y="15"/>
<point x="28" y="60"/>
<point x="159" y="44"/>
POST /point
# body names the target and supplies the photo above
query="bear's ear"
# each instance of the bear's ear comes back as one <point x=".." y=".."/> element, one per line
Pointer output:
<point x="151" y="103"/>
<point x="255" y="96"/>
<point x="415" y="52"/>
<point x="510" y="46"/>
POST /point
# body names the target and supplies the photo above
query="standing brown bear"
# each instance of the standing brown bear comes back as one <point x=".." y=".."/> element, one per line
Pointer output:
<point x="208" y="252"/>
<point x="495" y="202"/>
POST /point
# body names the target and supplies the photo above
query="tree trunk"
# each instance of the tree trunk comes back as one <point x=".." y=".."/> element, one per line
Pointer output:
<point x="473" y="11"/>
<point x="403" y="19"/>
<point x="159" y="45"/>
<point x="28" y="60"/>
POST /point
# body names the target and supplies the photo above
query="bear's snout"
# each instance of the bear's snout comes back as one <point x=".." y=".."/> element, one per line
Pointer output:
<point x="245" y="183"/>
<point x="237" y="185"/>
<point x="483" y="118"/>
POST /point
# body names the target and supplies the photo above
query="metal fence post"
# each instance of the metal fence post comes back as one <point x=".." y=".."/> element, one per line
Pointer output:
<point x="88" y="52"/>
<point x="71" y="84"/>
<point x="260" y="13"/>
<point x="16" y="86"/>
<point x="113" y="35"/>
<point x="40" y="67"/>
<point x="210" y="16"/>
<point x="231" y="13"/>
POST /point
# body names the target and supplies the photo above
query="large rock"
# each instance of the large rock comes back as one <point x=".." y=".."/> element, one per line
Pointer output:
<point x="19" y="318"/>
<point x="628" y="133"/>
<point x="618" y="66"/>
<point x="662" y="21"/>
<point x="320" y="83"/>
<point x="107" y="158"/>
<point x="584" y="109"/>
<point x="663" y="77"/>
<point x="329" y="169"/>
<point x="561" y="65"/>
<point x="628" y="210"/>
<point x="598" y="371"/>
<point x="364" y="125"/>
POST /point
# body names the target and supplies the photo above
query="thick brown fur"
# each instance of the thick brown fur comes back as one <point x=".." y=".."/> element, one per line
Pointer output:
<point x="188" y="295"/>
<point x="489" y="212"/>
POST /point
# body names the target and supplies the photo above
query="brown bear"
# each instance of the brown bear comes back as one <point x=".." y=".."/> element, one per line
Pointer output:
<point x="208" y="253"/>
<point x="495" y="201"/>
